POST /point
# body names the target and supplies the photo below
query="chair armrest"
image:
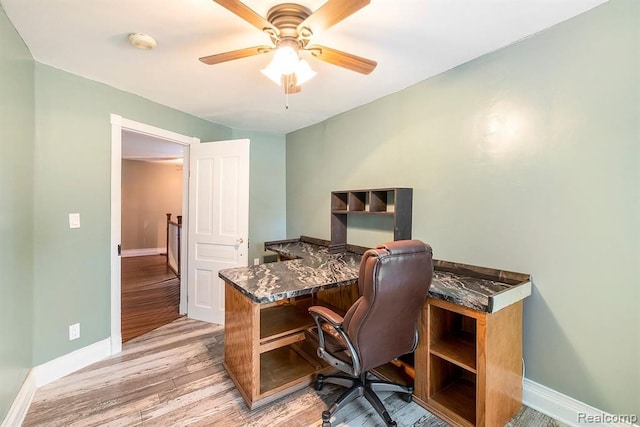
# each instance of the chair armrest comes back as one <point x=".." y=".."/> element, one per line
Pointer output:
<point x="328" y="322"/>
<point x="327" y="315"/>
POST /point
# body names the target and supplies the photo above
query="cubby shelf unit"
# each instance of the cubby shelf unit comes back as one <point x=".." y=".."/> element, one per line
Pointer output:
<point x="395" y="202"/>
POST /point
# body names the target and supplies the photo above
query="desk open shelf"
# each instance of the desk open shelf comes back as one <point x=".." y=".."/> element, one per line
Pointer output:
<point x="266" y="354"/>
<point x="285" y="367"/>
<point x="457" y="395"/>
<point x="283" y="324"/>
<point x="452" y="378"/>
<point x="453" y="338"/>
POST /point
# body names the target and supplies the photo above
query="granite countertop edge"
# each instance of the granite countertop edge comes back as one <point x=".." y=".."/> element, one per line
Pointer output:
<point x="313" y="257"/>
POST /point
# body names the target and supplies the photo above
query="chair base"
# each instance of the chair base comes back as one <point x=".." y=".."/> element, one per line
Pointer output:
<point x="361" y="386"/>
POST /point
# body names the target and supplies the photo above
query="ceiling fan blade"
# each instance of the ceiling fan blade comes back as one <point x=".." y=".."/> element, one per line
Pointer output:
<point x="329" y="14"/>
<point x="343" y="59"/>
<point x="235" y="54"/>
<point x="248" y="14"/>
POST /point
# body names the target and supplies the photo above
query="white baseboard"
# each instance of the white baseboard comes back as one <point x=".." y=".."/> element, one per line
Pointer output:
<point x="64" y="365"/>
<point x="569" y="410"/>
<point x="21" y="403"/>
<point x="143" y="252"/>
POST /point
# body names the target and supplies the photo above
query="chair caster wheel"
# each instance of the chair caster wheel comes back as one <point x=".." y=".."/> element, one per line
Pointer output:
<point x="408" y="397"/>
<point x="392" y="423"/>
<point x="326" y="417"/>
<point x="319" y="382"/>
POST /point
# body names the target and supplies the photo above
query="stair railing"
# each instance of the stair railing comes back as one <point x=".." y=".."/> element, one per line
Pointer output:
<point x="174" y="238"/>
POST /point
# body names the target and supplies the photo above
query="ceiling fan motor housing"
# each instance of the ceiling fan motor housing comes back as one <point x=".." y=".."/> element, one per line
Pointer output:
<point x="286" y="17"/>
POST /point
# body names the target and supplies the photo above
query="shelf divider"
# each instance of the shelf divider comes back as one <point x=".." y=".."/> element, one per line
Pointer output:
<point x="458" y="348"/>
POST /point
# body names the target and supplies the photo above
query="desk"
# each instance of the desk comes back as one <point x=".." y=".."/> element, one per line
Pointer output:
<point x="473" y="314"/>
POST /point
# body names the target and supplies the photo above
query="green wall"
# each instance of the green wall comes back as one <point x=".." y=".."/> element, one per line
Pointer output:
<point x="73" y="139"/>
<point x="526" y="159"/>
<point x="267" y="219"/>
<point x="16" y="212"/>
<point x="72" y="174"/>
<point x="55" y="156"/>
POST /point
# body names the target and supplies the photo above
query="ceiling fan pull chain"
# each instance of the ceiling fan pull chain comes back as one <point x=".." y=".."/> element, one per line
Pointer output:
<point x="286" y="93"/>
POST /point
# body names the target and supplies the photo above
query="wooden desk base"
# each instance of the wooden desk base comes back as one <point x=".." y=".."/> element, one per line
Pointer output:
<point x="468" y="367"/>
<point x="265" y="352"/>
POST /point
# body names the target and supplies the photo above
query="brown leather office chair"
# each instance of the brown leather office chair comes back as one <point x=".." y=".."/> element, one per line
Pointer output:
<point x="381" y="325"/>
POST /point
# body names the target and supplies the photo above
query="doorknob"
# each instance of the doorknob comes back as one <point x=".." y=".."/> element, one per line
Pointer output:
<point x="240" y="241"/>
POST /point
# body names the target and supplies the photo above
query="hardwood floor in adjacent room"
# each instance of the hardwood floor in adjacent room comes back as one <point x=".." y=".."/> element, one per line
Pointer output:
<point x="173" y="376"/>
<point x="150" y="295"/>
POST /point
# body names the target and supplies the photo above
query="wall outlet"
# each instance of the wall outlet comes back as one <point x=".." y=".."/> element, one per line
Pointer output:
<point x="74" y="220"/>
<point x="74" y="331"/>
<point x="256" y="261"/>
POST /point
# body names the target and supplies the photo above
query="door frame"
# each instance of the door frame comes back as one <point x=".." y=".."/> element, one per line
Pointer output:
<point x="118" y="124"/>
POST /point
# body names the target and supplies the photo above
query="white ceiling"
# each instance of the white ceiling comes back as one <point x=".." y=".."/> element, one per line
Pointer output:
<point x="138" y="146"/>
<point x="411" y="40"/>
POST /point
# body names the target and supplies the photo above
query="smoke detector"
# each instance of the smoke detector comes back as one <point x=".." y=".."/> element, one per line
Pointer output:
<point x="142" y="41"/>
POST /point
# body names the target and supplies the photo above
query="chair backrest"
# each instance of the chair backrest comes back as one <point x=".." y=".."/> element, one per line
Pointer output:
<point x="394" y="282"/>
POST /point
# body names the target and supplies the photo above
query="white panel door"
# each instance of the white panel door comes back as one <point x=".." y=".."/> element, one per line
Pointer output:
<point x="218" y="222"/>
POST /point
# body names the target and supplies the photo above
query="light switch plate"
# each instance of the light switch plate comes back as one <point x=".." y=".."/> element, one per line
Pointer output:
<point x="74" y="220"/>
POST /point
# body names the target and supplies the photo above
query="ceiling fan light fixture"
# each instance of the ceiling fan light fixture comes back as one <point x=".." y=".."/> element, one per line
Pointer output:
<point x="272" y="73"/>
<point x="303" y="72"/>
<point x="285" y="60"/>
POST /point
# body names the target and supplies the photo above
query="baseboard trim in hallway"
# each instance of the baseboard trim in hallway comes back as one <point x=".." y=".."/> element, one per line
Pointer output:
<point x="127" y="253"/>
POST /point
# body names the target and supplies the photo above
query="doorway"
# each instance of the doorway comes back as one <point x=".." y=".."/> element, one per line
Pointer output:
<point x="152" y="199"/>
<point x="120" y="127"/>
<point x="150" y="295"/>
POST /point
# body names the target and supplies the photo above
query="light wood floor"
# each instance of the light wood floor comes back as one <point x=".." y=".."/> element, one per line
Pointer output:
<point x="150" y="293"/>
<point x="173" y="376"/>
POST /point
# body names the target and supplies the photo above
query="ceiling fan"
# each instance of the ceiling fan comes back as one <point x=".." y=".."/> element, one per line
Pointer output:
<point x="291" y="27"/>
